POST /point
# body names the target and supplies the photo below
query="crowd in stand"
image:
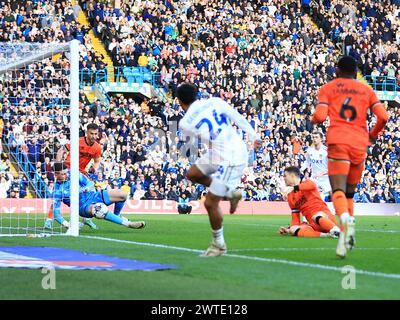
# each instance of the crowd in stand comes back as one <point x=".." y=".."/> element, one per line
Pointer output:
<point x="367" y="30"/>
<point x="46" y="21"/>
<point x="263" y="57"/>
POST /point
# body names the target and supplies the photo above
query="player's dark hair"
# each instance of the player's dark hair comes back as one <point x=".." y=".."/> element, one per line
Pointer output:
<point x="347" y="64"/>
<point x="319" y="133"/>
<point x="59" y="166"/>
<point x="92" y="126"/>
<point x="187" y="93"/>
<point x="294" y="170"/>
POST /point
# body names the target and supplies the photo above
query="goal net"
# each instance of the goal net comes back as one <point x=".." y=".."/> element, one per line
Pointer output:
<point x="39" y="106"/>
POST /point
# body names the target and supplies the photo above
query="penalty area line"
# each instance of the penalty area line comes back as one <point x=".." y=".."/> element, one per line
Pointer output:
<point x="252" y="258"/>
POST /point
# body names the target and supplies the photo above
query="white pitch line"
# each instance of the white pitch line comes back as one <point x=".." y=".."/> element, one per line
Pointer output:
<point x="270" y="260"/>
<point x="377" y="230"/>
<point x="144" y="244"/>
<point x="273" y="226"/>
<point x="306" y="249"/>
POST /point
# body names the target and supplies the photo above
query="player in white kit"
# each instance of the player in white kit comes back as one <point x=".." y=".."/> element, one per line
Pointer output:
<point x="317" y="161"/>
<point x="221" y="168"/>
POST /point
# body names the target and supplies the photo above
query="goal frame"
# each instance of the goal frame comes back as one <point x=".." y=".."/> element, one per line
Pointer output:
<point x="73" y="48"/>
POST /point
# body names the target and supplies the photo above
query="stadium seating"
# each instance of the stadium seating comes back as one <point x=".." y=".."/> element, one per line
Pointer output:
<point x="267" y="59"/>
<point x="367" y="30"/>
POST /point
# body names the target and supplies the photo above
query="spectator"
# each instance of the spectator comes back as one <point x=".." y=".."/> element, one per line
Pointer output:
<point x="152" y="194"/>
<point x="361" y="197"/>
<point x="143" y="61"/>
<point x="172" y="193"/>
<point x="244" y="54"/>
<point x="379" y="196"/>
<point x="183" y="205"/>
<point x="126" y="187"/>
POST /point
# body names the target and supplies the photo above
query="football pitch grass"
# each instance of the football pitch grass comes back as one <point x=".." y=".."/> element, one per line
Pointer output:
<point x="261" y="264"/>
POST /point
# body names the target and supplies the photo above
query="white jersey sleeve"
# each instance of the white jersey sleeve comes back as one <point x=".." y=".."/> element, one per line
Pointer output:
<point x="211" y="120"/>
<point x="242" y="123"/>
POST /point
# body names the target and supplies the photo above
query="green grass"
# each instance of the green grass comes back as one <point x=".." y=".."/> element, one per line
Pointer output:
<point x="222" y="277"/>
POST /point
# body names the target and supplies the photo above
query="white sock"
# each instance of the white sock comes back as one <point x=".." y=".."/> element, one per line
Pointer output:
<point x="335" y="228"/>
<point x="65" y="224"/>
<point x="351" y="219"/>
<point x="218" y="237"/>
<point x="324" y="235"/>
<point x="344" y="217"/>
<point x="125" y="221"/>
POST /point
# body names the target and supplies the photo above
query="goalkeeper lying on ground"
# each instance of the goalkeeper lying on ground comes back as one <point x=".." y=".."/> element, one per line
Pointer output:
<point x="91" y="203"/>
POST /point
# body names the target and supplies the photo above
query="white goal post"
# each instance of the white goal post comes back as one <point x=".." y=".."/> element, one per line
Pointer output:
<point x="19" y="76"/>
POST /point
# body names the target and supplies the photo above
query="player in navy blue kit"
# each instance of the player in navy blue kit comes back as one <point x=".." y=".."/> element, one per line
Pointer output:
<point x="91" y="203"/>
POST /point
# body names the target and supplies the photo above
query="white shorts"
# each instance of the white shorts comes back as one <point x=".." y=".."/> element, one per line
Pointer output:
<point x="324" y="185"/>
<point x="226" y="177"/>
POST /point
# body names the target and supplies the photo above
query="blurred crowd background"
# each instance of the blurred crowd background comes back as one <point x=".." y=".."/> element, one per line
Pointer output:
<point x="267" y="58"/>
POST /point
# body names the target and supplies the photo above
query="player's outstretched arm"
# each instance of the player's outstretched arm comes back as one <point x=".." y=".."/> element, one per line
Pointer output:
<point x="382" y="118"/>
<point x="97" y="159"/>
<point x="283" y="230"/>
<point x="320" y="114"/>
<point x="321" y="110"/>
<point x="243" y="124"/>
<point x="96" y="163"/>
